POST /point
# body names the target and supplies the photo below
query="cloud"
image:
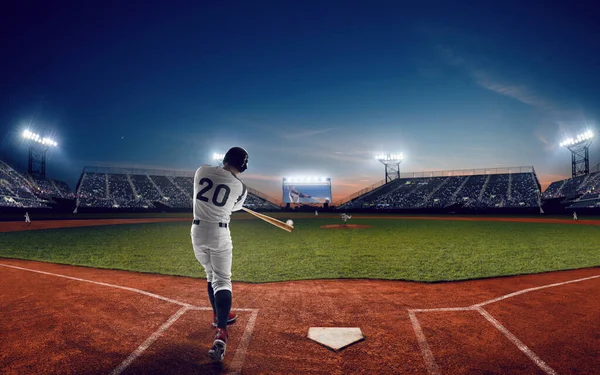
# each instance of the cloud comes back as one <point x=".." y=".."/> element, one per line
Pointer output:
<point x="556" y="118"/>
<point x="521" y="93"/>
<point x="481" y="73"/>
<point x="293" y="134"/>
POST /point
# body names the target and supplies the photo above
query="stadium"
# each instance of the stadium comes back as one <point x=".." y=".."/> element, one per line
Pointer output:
<point x="125" y="230"/>
<point x="300" y="188"/>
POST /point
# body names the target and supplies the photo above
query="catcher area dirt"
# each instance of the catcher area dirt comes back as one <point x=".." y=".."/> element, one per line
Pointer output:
<point x="70" y="320"/>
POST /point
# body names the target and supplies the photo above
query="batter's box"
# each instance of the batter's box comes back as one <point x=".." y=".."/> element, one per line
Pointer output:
<point x="181" y="344"/>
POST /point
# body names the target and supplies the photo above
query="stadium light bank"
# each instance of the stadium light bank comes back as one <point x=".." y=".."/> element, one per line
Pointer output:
<point x="580" y="152"/>
<point x="581" y="138"/>
<point x="392" y="165"/>
<point x="29" y="135"/>
<point x="389" y="157"/>
<point x="306" y="179"/>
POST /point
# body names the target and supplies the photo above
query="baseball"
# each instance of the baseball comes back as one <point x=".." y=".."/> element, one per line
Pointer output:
<point x="289" y="222"/>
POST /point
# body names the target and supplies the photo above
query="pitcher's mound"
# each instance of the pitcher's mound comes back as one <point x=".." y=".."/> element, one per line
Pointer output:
<point x="344" y="226"/>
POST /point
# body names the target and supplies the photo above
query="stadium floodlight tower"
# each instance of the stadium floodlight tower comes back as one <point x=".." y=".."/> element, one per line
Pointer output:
<point x="392" y="165"/>
<point x="580" y="152"/>
<point x="38" y="146"/>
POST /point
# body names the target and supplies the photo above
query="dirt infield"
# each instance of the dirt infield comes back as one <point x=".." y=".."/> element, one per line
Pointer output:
<point x="73" y="320"/>
<point x="15" y="226"/>
<point x="344" y="226"/>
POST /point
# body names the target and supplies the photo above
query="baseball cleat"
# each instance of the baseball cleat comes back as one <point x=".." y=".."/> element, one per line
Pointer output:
<point x="230" y="319"/>
<point x="217" y="352"/>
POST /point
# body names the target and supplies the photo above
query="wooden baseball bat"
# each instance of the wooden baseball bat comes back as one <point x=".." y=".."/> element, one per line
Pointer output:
<point x="270" y="220"/>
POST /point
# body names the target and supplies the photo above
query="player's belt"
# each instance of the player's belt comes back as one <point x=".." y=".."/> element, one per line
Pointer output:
<point x="222" y="225"/>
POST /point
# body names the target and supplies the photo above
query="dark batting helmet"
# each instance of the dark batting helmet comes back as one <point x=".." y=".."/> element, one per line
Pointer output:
<point x="237" y="157"/>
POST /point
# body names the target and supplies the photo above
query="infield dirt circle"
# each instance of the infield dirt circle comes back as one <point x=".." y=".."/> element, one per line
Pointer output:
<point x="345" y="226"/>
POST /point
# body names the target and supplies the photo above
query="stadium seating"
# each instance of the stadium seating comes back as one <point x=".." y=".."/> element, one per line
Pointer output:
<point x="553" y="191"/>
<point x="186" y="183"/>
<point x="426" y="190"/>
<point x="172" y="195"/>
<point x="123" y="190"/>
<point x="92" y="191"/>
<point x="587" y="203"/>
<point x="444" y="195"/>
<point x="144" y="188"/>
<point x="579" y="188"/>
<point x="17" y="191"/>
<point x="43" y="188"/>
<point x="469" y="194"/>
<point x="474" y="191"/>
<point x="496" y="193"/>
<point x="524" y="191"/>
<point x="254" y="202"/>
<point x="64" y="190"/>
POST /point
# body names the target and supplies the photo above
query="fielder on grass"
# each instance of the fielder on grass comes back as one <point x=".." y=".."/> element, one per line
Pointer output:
<point x="217" y="193"/>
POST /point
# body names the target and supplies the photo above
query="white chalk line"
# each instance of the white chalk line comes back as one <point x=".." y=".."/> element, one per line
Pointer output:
<point x="522" y="347"/>
<point x="432" y="366"/>
<point x="444" y="309"/>
<point x="533" y="289"/>
<point x="240" y="355"/>
<point x="106" y="284"/>
<point x="149" y="341"/>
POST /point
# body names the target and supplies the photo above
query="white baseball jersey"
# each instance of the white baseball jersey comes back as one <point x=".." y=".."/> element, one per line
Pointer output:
<point x="294" y="197"/>
<point x="217" y="193"/>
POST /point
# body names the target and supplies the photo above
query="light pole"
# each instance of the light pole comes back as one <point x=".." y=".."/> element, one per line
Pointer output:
<point x="38" y="146"/>
<point x="392" y="165"/>
<point x="580" y="153"/>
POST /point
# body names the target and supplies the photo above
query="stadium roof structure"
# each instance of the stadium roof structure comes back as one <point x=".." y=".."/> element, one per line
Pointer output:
<point x="469" y="172"/>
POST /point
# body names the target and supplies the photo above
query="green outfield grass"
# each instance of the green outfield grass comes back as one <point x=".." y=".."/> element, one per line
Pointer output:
<point x="420" y="250"/>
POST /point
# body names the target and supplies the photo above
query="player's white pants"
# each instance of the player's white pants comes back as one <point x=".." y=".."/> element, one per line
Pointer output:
<point x="213" y="249"/>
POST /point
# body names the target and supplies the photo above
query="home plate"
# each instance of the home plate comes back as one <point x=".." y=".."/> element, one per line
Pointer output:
<point x="335" y="338"/>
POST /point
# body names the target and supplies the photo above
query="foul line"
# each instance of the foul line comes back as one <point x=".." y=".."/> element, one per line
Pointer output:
<point x="533" y="289"/>
<point x="241" y="350"/>
<point x="240" y="353"/>
<point x="522" y="347"/>
<point x="105" y="284"/>
<point x="432" y="366"/>
<point x="149" y="341"/>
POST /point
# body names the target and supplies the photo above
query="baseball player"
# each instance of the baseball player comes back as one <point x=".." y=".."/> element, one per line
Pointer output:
<point x="575" y="215"/>
<point x="217" y="193"/>
<point x="316" y="212"/>
<point x="295" y="195"/>
<point x="345" y="217"/>
<point x="27" y="219"/>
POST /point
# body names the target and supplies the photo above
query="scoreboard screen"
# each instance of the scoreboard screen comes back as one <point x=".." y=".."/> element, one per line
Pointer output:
<point x="308" y="190"/>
